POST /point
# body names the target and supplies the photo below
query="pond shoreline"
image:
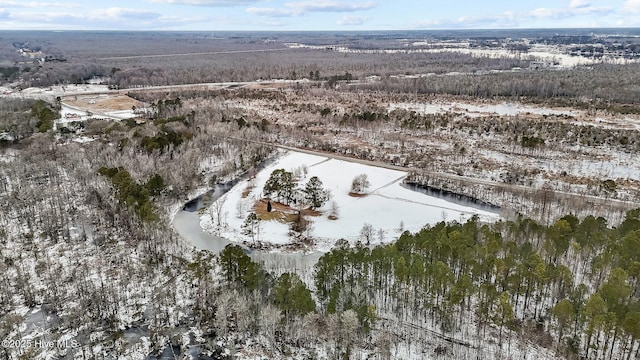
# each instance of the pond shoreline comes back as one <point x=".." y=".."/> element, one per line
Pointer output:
<point x="187" y="223"/>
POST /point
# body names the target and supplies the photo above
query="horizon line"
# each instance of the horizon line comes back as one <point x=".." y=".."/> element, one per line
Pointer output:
<point x="331" y="30"/>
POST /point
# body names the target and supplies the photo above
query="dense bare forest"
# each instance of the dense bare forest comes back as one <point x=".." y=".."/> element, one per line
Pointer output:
<point x="93" y="263"/>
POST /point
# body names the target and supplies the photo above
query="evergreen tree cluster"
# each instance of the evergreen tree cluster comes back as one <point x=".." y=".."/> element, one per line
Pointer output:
<point x="45" y="114"/>
<point x="136" y="196"/>
<point x="164" y="139"/>
<point x="314" y="193"/>
<point x="577" y="279"/>
<point x="282" y="184"/>
<point x="287" y="292"/>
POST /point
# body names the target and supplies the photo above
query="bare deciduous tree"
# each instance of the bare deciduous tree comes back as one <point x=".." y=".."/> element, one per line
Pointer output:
<point x="366" y="233"/>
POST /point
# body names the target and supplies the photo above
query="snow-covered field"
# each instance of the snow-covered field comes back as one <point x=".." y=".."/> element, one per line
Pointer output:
<point x="388" y="206"/>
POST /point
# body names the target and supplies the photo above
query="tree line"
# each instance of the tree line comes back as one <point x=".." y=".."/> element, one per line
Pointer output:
<point x="576" y="280"/>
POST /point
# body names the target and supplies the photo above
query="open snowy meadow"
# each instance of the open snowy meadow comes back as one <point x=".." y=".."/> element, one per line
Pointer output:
<point x="388" y="206"/>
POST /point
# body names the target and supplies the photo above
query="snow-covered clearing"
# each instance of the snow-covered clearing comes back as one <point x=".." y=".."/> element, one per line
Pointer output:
<point x="386" y="206"/>
<point x="62" y="90"/>
<point x="69" y="115"/>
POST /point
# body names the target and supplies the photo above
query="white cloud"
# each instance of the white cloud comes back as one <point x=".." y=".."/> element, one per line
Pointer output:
<point x="120" y="13"/>
<point x="562" y="13"/>
<point x="509" y="19"/>
<point x="632" y="6"/>
<point x="575" y="4"/>
<point x="544" y="12"/>
<point x="351" y="20"/>
<point x="215" y="3"/>
<point x="4" y="14"/>
<point x="35" y="4"/>
<point x="302" y="7"/>
<point x="504" y="20"/>
<point x="330" y="6"/>
<point x="273" y="12"/>
<point x="601" y="10"/>
<point x="273" y="23"/>
<point x="109" y="19"/>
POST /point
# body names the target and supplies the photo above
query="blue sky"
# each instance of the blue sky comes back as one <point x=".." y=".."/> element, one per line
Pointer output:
<point x="283" y="15"/>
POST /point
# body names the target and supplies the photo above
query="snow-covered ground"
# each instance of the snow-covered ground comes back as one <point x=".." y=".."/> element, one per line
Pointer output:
<point x="62" y="90"/>
<point x="83" y="139"/>
<point x="387" y="205"/>
<point x="551" y="53"/>
<point x="471" y="110"/>
<point x="121" y="114"/>
<point x="8" y="155"/>
<point x="69" y="115"/>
